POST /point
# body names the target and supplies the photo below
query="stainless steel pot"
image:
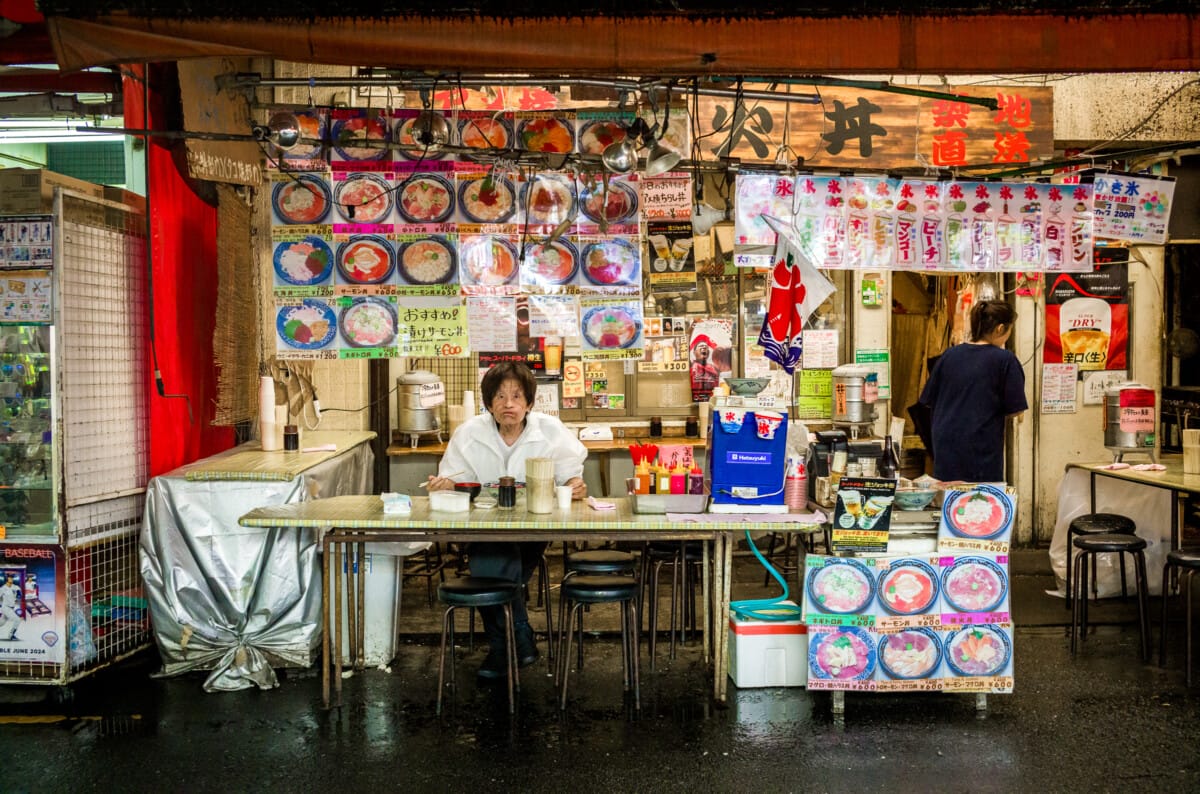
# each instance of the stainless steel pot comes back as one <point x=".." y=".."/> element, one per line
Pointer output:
<point x="1129" y="418"/>
<point x="412" y="390"/>
<point x="849" y="395"/>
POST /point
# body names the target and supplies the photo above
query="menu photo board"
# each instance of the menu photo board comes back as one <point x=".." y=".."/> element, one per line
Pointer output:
<point x="909" y="623"/>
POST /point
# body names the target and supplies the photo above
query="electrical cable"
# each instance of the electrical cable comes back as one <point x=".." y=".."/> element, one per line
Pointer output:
<point x="766" y="609"/>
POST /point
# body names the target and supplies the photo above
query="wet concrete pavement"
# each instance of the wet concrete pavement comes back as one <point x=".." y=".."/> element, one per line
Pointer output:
<point x="1102" y="721"/>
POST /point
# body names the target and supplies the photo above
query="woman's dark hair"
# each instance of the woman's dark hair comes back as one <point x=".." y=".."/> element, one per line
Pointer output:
<point x="987" y="316"/>
<point x="508" y="370"/>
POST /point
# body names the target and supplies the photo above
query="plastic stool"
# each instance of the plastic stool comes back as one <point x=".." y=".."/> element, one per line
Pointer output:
<point x="1188" y="562"/>
<point x="478" y="591"/>
<point x="1097" y="524"/>
<point x="583" y="589"/>
<point x="1091" y="545"/>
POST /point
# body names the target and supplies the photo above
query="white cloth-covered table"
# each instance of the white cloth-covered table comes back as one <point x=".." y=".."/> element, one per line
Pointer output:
<point x="1149" y="498"/>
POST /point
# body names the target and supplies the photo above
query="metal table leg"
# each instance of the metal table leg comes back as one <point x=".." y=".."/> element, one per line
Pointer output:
<point x="337" y="623"/>
<point x="325" y="563"/>
<point x="360" y="662"/>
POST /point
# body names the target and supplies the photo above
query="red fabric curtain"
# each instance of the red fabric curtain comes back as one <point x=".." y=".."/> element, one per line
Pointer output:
<point x="183" y="276"/>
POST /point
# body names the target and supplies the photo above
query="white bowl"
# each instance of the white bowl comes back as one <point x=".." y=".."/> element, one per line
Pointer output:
<point x="450" y="501"/>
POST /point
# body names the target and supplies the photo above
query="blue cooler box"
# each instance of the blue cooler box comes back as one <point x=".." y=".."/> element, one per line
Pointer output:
<point x="746" y="471"/>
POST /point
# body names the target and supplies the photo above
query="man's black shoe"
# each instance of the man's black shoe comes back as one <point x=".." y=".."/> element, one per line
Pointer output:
<point x="495" y="664"/>
<point x="527" y="650"/>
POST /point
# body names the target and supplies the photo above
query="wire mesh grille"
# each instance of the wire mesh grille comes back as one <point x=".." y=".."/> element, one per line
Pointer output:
<point x="102" y="299"/>
<point x="108" y="616"/>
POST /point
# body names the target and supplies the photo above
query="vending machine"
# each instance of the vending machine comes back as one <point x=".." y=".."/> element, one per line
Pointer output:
<point x="747" y="453"/>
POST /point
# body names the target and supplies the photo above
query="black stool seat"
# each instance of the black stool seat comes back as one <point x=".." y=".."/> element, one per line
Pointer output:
<point x="668" y="550"/>
<point x="1184" y="558"/>
<point x="1102" y="524"/>
<point x="594" y="589"/>
<point x="476" y="591"/>
<point x="600" y="561"/>
<point x="1109" y="543"/>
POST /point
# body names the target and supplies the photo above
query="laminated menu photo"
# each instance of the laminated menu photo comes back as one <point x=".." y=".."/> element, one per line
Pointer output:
<point x="842" y="657"/>
<point x="979" y="659"/>
<point x="839" y="591"/>
<point x="975" y="589"/>
<point x="908" y="592"/>
<point x="910" y="660"/>
<point x="977" y="518"/>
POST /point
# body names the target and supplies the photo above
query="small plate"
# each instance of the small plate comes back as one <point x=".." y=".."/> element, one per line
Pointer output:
<point x="488" y="261"/>
<point x="552" y="264"/>
<point x="484" y="200"/>
<point x="546" y="134"/>
<point x="596" y="136"/>
<point x="346" y="132"/>
<point x="902" y="600"/>
<point x="611" y="263"/>
<point x="981" y="513"/>
<point x="898" y="653"/>
<point x="485" y="133"/>
<point x="989" y="641"/>
<point x="295" y="208"/>
<point x="619" y="206"/>
<point x="846" y="574"/>
<point x="365" y="259"/>
<point x="368" y="322"/>
<point x="426" y="198"/>
<point x="369" y="194"/>
<point x="974" y="584"/>
<point x="308" y="325"/>
<point x="858" y="640"/>
<point x="429" y="260"/>
<point x="304" y="262"/>
<point x="610" y="327"/>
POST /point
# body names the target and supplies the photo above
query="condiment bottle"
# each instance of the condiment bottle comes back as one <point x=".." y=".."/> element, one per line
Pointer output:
<point x="888" y="465"/>
<point x="664" y="479"/>
<point x="656" y="427"/>
<point x="291" y="438"/>
<point x="642" y="475"/>
<point x="678" y="480"/>
<point x="696" y="481"/>
<point x="506" y="493"/>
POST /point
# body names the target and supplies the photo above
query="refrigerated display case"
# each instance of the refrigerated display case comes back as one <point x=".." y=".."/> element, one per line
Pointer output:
<point x="73" y="438"/>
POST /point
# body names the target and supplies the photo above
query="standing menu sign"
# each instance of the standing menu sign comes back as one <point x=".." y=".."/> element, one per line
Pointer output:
<point x="929" y="622"/>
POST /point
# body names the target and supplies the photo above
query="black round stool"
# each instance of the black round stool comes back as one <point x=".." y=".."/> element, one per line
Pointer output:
<point x="478" y="591"/>
<point x="1091" y="545"/>
<point x="596" y="562"/>
<point x="600" y="561"/>
<point x="584" y="589"/>
<point x="1187" y="562"/>
<point x="682" y="557"/>
<point x="1097" y="524"/>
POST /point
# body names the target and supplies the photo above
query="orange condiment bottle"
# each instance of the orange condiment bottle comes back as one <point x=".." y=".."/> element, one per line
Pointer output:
<point x="642" y="473"/>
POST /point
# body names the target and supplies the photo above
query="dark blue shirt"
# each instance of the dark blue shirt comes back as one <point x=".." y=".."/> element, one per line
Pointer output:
<point x="970" y="391"/>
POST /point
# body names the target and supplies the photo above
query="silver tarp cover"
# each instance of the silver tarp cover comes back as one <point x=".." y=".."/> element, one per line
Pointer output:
<point x="231" y="599"/>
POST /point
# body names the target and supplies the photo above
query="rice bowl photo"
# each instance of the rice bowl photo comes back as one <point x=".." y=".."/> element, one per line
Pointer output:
<point x="368" y="322"/>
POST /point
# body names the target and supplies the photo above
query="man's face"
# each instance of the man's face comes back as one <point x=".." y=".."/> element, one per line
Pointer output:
<point x="701" y="352"/>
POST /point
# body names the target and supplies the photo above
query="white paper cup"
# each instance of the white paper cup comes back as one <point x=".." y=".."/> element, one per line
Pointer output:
<point x="562" y="495"/>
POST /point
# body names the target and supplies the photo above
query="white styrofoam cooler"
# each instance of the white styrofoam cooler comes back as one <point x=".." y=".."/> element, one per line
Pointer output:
<point x="767" y="653"/>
